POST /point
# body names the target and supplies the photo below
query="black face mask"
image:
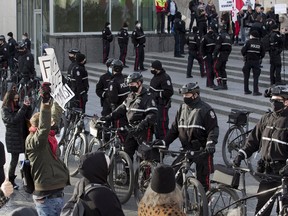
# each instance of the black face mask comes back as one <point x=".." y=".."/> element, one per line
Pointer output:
<point x="154" y="72"/>
<point x="190" y="101"/>
<point x="133" y="88"/>
<point x="72" y="59"/>
<point x="277" y="105"/>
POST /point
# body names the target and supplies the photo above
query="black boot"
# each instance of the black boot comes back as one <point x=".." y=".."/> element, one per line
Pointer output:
<point x="225" y="87"/>
<point x="12" y="180"/>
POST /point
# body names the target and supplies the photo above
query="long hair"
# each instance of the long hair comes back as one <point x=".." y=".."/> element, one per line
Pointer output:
<point x="8" y="100"/>
<point x="151" y="198"/>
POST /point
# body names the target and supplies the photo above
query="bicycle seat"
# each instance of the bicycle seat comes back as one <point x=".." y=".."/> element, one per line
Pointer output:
<point x="246" y="112"/>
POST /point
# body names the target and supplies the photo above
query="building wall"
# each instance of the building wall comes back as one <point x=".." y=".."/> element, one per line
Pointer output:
<point x="7" y="16"/>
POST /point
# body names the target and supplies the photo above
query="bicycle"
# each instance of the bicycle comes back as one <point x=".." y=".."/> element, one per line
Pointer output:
<point x="195" y="200"/>
<point x="223" y="198"/>
<point x="97" y="132"/>
<point x="78" y="145"/>
<point x="235" y="137"/>
<point x="121" y="176"/>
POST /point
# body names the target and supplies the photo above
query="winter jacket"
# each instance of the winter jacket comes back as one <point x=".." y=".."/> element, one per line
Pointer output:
<point x="15" y="122"/>
<point x="163" y="210"/>
<point x="48" y="171"/>
<point x="253" y="50"/>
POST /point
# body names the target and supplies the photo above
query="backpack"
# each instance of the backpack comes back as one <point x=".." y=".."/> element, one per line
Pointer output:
<point x="75" y="207"/>
<point x="266" y="42"/>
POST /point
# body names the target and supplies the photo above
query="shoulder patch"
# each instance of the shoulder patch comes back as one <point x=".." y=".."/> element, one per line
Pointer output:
<point x="168" y="82"/>
<point x="27" y="58"/>
<point x="212" y="114"/>
<point x="78" y="73"/>
<point x="111" y="87"/>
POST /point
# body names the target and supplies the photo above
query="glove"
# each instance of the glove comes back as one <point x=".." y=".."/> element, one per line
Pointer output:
<point x="107" y="118"/>
<point x="45" y="91"/>
<point x="268" y="92"/>
<point x="237" y="160"/>
<point x="210" y="148"/>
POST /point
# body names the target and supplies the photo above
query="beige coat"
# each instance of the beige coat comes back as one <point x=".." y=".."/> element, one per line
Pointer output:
<point x="283" y="19"/>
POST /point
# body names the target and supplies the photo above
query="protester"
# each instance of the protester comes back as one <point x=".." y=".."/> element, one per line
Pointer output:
<point x="162" y="197"/>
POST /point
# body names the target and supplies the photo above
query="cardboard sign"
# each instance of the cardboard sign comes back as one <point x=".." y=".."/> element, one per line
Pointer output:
<point x="51" y="73"/>
<point x="280" y="8"/>
<point x="225" y="5"/>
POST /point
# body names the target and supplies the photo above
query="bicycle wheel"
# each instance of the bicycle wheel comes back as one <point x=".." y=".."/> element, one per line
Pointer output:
<point x="233" y="140"/>
<point x="94" y="144"/>
<point x="76" y="148"/>
<point x="222" y="196"/>
<point x="121" y="177"/>
<point x="195" y="200"/>
<point x="143" y="177"/>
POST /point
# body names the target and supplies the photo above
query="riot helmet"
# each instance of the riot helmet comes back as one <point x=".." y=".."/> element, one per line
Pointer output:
<point x="190" y="88"/>
<point x="117" y="65"/>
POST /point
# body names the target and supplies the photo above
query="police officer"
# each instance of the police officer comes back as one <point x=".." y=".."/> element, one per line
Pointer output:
<point x="276" y="47"/>
<point x="102" y="89"/>
<point x="193" y="42"/>
<point x="72" y="57"/>
<point x="253" y="51"/>
<point x="26" y="62"/>
<point x="196" y="126"/>
<point x="221" y="53"/>
<point x="269" y="137"/>
<point x="162" y="90"/>
<point x="179" y="30"/>
<point x="4" y="54"/>
<point x="140" y="110"/>
<point x="207" y="47"/>
<point x="11" y="50"/>
<point x="26" y="40"/>
<point x="138" y="39"/>
<point x="80" y="82"/>
<point x="123" y="39"/>
<point x="107" y="38"/>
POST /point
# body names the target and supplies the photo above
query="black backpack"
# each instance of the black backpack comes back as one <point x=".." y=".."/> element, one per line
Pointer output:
<point x="75" y="207"/>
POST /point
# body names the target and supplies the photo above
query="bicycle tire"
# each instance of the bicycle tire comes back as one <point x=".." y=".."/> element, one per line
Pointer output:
<point x="194" y="197"/>
<point x="62" y="126"/>
<point x="217" y="198"/>
<point x="94" y="144"/>
<point x="120" y="180"/>
<point x="233" y="140"/>
<point x="142" y="178"/>
<point x="73" y="153"/>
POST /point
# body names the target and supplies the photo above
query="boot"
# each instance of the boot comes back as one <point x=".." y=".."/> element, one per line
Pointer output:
<point x="12" y="180"/>
<point x="225" y="87"/>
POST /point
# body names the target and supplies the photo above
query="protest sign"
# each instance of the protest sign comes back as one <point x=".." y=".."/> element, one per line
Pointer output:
<point x="225" y="5"/>
<point x="280" y="8"/>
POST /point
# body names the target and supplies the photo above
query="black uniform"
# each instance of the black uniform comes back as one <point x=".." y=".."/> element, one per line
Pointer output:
<point x="69" y="71"/>
<point x="28" y="44"/>
<point x="259" y="27"/>
<point x="207" y="47"/>
<point x="193" y="5"/>
<point x="26" y="66"/>
<point x="270" y="137"/>
<point x="162" y="90"/>
<point x="80" y="86"/>
<point x="193" y="41"/>
<point x="253" y="52"/>
<point x="4" y="55"/>
<point x="102" y="92"/>
<point x="123" y="39"/>
<point x="179" y="31"/>
<point x="221" y="53"/>
<point x="138" y="39"/>
<point x="276" y="48"/>
<point x="196" y="127"/>
<point x="139" y="109"/>
<point x="12" y="51"/>
<point x="107" y="38"/>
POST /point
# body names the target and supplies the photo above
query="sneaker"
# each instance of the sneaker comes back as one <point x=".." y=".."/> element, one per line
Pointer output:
<point x="257" y="93"/>
<point x="189" y="76"/>
<point x="248" y="92"/>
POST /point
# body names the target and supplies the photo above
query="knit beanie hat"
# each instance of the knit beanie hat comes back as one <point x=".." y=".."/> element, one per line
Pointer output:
<point x="255" y="34"/>
<point x="80" y="57"/>
<point x="163" y="179"/>
<point x="107" y="23"/>
<point x="125" y="25"/>
<point x="157" y="65"/>
<point x="10" y="34"/>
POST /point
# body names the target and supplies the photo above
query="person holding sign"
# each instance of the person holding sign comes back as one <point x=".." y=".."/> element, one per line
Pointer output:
<point x="79" y="82"/>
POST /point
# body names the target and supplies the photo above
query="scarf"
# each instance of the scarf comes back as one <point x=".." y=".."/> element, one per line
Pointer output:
<point x="51" y="140"/>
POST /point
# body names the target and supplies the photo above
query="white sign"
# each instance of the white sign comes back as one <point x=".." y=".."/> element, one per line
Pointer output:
<point x="280" y="8"/>
<point x="225" y="5"/>
<point x="248" y="2"/>
<point x="51" y="73"/>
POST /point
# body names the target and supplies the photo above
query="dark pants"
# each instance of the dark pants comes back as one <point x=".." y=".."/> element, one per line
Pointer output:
<point x="106" y="50"/>
<point x="255" y="66"/>
<point x="192" y="18"/>
<point x="220" y="69"/>
<point x="275" y="69"/>
<point x="182" y="43"/>
<point x="170" y="22"/>
<point x="162" y="122"/>
<point x="202" y="26"/>
<point x="194" y="55"/>
<point x="160" y="22"/>
<point x="139" y="57"/>
<point x="209" y="70"/>
<point x="123" y="53"/>
<point x="177" y="39"/>
<point x="204" y="167"/>
<point x="13" y="165"/>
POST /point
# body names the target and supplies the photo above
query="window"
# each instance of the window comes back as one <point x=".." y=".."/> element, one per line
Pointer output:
<point x="147" y="14"/>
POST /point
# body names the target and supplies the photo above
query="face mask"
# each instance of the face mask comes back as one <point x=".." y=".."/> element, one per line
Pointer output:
<point x="109" y="26"/>
<point x="110" y="70"/>
<point x="133" y="88"/>
<point x="138" y="25"/>
<point x="190" y="101"/>
<point x="23" y="38"/>
<point x="8" y="37"/>
<point x="154" y="72"/>
<point x="71" y="58"/>
<point x="277" y="106"/>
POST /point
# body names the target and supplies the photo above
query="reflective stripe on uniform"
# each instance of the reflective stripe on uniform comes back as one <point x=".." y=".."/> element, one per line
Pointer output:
<point x="143" y="110"/>
<point x="274" y="140"/>
<point x="191" y="126"/>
